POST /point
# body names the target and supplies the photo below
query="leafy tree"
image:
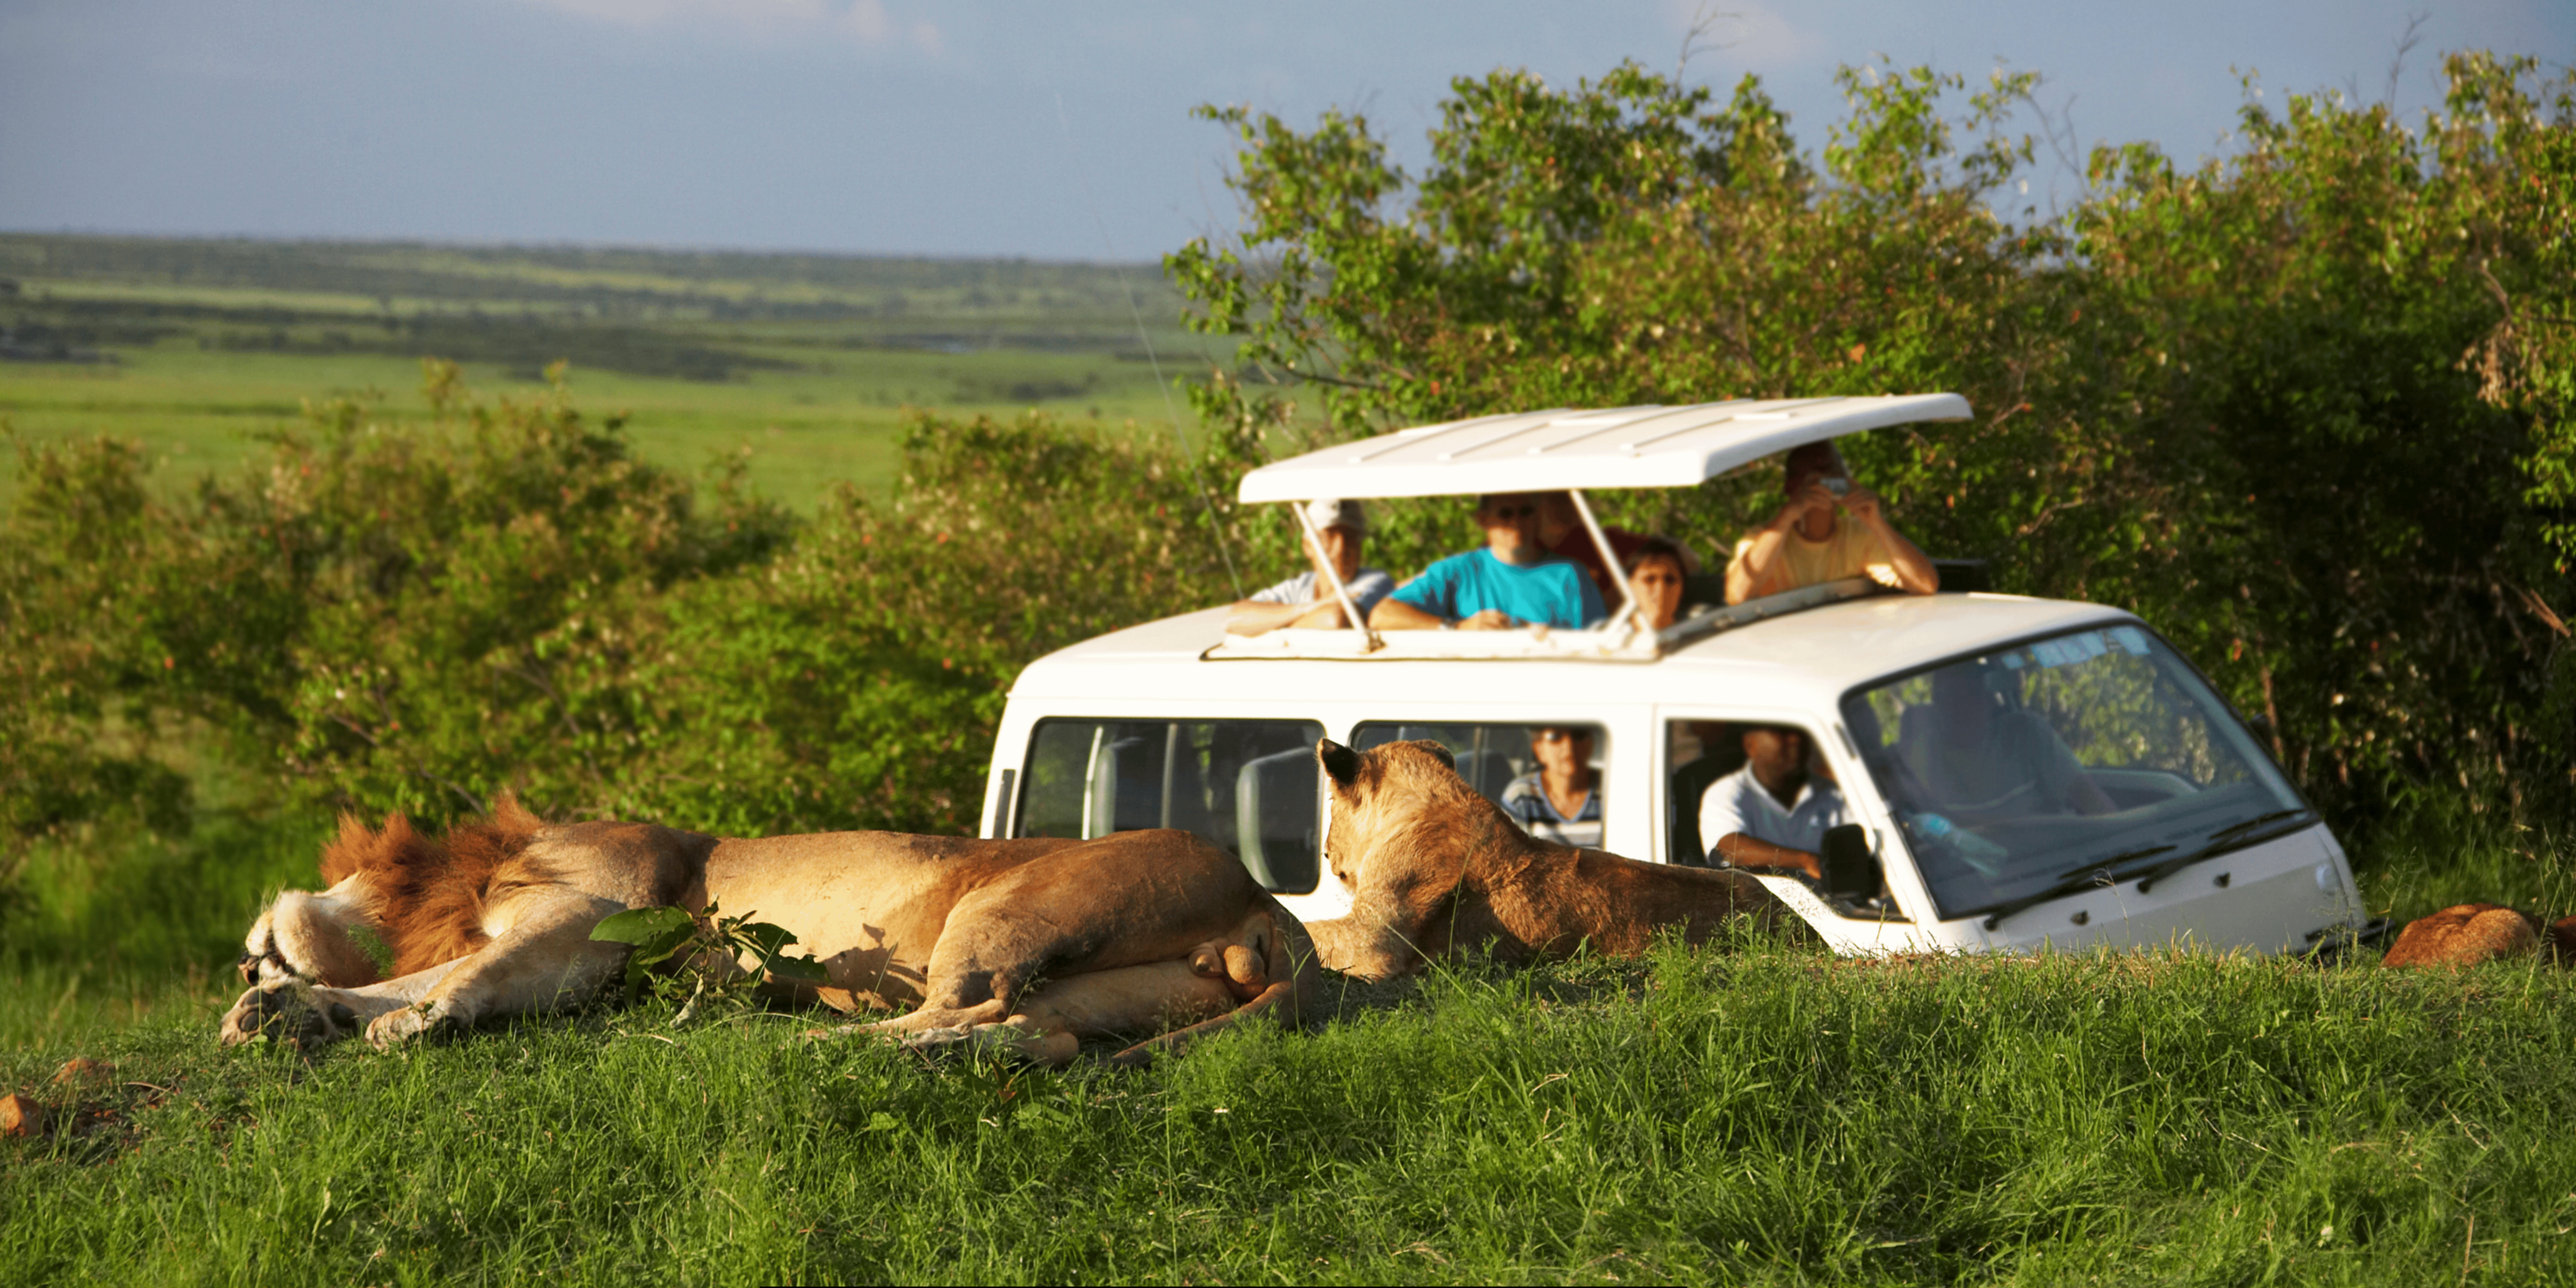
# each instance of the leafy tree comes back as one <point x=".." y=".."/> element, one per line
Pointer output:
<point x="855" y="682"/>
<point x="2233" y="398"/>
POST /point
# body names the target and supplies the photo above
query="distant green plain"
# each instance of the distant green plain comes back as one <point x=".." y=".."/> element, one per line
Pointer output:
<point x="807" y="363"/>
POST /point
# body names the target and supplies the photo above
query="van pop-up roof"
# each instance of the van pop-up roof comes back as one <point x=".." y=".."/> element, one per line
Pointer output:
<point x="1565" y="449"/>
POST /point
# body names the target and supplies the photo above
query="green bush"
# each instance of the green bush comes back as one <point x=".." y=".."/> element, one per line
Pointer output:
<point x="407" y="617"/>
<point x="855" y="681"/>
<point x="391" y="617"/>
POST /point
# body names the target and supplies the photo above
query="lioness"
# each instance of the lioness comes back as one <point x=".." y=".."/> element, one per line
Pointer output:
<point x="2469" y="933"/>
<point x="1433" y="867"/>
<point x="1036" y="943"/>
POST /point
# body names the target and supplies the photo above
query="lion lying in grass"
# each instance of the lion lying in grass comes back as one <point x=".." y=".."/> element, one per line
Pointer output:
<point x="1034" y="943"/>
<point x="2470" y="933"/>
<point x="1433" y="868"/>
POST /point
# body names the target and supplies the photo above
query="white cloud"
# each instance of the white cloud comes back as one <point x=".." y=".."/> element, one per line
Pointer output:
<point x="867" y="22"/>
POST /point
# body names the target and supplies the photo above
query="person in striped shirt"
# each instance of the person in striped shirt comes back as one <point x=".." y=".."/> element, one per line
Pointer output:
<point x="1560" y="800"/>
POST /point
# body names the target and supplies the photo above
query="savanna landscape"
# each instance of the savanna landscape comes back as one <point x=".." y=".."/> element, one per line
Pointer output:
<point x="804" y="363"/>
<point x="754" y="544"/>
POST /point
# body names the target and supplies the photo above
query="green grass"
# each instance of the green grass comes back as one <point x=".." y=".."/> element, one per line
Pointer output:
<point x="807" y="363"/>
<point x="1749" y="1113"/>
<point x="1754" y="1115"/>
<point x="804" y="430"/>
<point x="104" y="927"/>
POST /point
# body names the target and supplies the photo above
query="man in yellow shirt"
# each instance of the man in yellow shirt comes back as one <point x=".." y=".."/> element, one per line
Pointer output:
<point x="1807" y="543"/>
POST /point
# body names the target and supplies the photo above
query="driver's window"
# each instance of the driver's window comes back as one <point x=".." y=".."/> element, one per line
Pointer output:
<point x="1770" y="782"/>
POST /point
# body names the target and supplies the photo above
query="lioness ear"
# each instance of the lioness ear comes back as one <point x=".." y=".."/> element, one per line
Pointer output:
<point x="1339" y="761"/>
<point x="1441" y="750"/>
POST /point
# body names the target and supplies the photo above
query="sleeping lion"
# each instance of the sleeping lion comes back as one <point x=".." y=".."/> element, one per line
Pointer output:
<point x="1433" y="867"/>
<point x="1035" y="943"/>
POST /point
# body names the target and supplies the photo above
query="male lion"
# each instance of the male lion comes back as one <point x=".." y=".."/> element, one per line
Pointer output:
<point x="1433" y="867"/>
<point x="1035" y="943"/>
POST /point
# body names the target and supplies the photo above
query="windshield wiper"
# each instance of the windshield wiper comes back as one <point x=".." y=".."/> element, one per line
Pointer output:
<point x="2232" y="829"/>
<point x="2089" y="877"/>
<point x="2223" y="841"/>
<point x="2129" y="856"/>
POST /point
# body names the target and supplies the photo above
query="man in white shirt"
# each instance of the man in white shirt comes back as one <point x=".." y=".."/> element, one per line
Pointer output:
<point x="1773" y="812"/>
<point x="1307" y="599"/>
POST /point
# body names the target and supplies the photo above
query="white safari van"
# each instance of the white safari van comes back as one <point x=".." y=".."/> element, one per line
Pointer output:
<point x="1927" y="710"/>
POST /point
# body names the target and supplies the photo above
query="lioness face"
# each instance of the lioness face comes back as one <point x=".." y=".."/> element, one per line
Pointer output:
<point x="1374" y="791"/>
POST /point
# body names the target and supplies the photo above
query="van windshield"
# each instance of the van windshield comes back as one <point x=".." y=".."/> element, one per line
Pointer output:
<point x="2022" y="770"/>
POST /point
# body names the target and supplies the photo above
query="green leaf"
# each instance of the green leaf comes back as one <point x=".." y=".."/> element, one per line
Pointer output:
<point x="802" y="969"/>
<point x="640" y="925"/>
<point x="764" y="938"/>
<point x="770" y="942"/>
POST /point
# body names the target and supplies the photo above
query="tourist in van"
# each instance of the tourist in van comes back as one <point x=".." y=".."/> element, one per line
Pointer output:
<point x="1772" y="813"/>
<point x="1560" y="800"/>
<point x="1656" y="577"/>
<point x="1512" y="582"/>
<point x="1307" y="599"/>
<point x="1807" y="542"/>
<point x="1561" y="530"/>
<point x="1976" y="750"/>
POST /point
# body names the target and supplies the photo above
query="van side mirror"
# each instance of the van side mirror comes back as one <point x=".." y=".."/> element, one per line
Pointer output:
<point x="1852" y="873"/>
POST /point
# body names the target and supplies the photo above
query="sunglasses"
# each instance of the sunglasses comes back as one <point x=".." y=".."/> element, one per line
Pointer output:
<point x="1560" y="735"/>
<point x="1511" y="511"/>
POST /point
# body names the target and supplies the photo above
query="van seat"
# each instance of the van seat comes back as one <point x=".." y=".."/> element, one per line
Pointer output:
<point x="1274" y="819"/>
<point x="1489" y="772"/>
<point x="1126" y="788"/>
<point x="1718" y="758"/>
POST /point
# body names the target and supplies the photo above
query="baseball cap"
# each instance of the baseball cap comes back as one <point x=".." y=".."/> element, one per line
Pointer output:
<point x="1326" y="512"/>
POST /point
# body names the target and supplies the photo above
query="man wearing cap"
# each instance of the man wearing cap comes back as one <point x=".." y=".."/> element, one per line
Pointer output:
<point x="1307" y="599"/>
<point x="1512" y="582"/>
<point x="1806" y="543"/>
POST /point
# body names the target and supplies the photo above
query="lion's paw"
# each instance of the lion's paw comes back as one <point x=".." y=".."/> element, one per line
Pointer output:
<point x="411" y="1024"/>
<point x="291" y="1014"/>
<point x="938" y="1041"/>
<point x="255" y="1014"/>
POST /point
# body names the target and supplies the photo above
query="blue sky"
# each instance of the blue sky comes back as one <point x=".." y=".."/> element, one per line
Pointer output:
<point x="969" y="128"/>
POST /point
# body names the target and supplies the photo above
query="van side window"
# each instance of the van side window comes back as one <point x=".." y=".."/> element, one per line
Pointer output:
<point x="1505" y="764"/>
<point x="1247" y="786"/>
